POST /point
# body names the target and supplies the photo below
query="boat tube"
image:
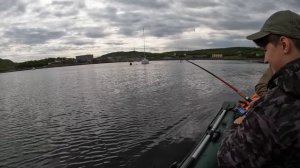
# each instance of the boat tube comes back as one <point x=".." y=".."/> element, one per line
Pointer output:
<point x="204" y="155"/>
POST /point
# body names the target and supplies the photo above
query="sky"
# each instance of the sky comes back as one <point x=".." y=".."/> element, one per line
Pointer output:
<point x="38" y="29"/>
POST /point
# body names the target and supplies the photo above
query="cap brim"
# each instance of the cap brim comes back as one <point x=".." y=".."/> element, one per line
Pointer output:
<point x="257" y="35"/>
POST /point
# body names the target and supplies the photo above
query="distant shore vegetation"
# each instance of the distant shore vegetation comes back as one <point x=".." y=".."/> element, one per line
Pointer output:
<point x="241" y="53"/>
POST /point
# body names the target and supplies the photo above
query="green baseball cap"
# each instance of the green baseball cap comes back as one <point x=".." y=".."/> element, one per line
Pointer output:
<point x="282" y="23"/>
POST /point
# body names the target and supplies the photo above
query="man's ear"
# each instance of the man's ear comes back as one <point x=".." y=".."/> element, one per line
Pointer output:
<point x="286" y="44"/>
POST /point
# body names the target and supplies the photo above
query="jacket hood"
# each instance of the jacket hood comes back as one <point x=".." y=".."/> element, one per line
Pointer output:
<point x="287" y="78"/>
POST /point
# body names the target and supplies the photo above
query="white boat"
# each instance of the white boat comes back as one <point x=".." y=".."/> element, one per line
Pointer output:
<point x="145" y="61"/>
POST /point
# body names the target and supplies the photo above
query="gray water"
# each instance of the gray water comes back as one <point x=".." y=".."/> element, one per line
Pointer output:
<point x="113" y="115"/>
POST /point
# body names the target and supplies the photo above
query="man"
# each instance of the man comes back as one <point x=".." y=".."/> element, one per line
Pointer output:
<point x="269" y="136"/>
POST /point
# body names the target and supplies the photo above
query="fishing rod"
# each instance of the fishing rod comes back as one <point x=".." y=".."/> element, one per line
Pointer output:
<point x="226" y="83"/>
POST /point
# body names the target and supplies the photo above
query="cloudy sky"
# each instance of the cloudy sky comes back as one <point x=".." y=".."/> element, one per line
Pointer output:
<point x="37" y="29"/>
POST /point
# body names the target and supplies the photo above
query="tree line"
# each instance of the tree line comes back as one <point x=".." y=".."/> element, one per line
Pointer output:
<point x="130" y="56"/>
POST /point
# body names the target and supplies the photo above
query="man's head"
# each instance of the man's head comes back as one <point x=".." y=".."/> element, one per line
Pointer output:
<point x="280" y="39"/>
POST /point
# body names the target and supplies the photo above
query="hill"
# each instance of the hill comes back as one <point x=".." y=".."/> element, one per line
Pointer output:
<point x="227" y="53"/>
<point x="6" y="65"/>
<point x="122" y="56"/>
<point x="35" y="63"/>
<point x="233" y="52"/>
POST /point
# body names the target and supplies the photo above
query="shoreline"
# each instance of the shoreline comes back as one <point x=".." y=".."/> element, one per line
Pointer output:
<point x="254" y="60"/>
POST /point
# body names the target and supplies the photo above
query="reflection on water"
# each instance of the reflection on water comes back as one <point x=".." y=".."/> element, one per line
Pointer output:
<point x="112" y="115"/>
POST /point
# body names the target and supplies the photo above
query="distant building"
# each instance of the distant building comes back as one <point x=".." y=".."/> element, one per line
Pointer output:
<point x="85" y="58"/>
<point x="217" y="56"/>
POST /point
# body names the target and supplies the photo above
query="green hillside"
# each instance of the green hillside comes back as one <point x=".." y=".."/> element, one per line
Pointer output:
<point x="239" y="52"/>
<point x="6" y="65"/>
<point x="122" y="56"/>
<point x="35" y="63"/>
<point x="228" y="53"/>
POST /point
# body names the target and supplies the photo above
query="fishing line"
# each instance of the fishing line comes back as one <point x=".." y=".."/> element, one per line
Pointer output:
<point x="226" y="83"/>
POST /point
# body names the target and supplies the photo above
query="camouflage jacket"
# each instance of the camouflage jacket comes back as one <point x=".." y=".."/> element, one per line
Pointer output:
<point x="269" y="136"/>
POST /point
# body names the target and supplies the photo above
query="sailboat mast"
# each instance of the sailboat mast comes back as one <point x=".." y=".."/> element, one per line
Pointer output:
<point x="144" y="60"/>
<point x="144" y="41"/>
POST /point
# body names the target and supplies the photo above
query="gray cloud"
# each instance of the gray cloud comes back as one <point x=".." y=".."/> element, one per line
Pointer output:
<point x="67" y="8"/>
<point x="7" y="5"/>
<point x="61" y="9"/>
<point x="201" y="43"/>
<point x="95" y="33"/>
<point x="156" y="4"/>
<point x="161" y="23"/>
<point x="115" y="43"/>
<point x="78" y="42"/>
<point x="62" y="3"/>
<point x="128" y="23"/>
<point x="165" y="29"/>
<point x="12" y="7"/>
<point x="32" y="35"/>
<point x="131" y="23"/>
<point x="199" y="3"/>
<point x="100" y="24"/>
<point x="295" y="4"/>
<point x="237" y="25"/>
<point x="90" y="32"/>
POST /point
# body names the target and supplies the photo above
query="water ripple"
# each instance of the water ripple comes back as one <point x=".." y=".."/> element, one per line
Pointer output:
<point x="107" y="115"/>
